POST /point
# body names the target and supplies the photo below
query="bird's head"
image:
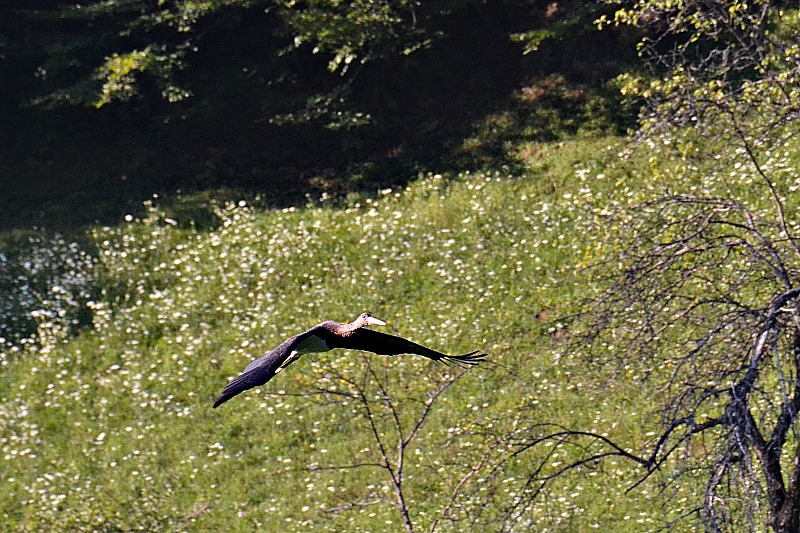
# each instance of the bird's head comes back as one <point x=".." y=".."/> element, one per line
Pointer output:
<point x="366" y="319"/>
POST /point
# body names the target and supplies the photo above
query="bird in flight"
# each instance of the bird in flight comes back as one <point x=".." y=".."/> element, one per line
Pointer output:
<point x="327" y="336"/>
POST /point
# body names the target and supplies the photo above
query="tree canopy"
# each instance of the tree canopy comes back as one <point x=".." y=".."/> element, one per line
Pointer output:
<point x="282" y="97"/>
<point x="95" y="53"/>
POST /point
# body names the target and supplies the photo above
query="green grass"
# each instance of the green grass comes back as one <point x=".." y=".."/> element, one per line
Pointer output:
<point x="113" y="429"/>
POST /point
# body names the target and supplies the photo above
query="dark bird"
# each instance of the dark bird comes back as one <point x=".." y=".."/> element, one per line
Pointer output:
<point x="327" y="336"/>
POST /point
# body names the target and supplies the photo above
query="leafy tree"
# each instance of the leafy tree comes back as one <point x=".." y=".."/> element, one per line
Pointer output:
<point x="711" y="61"/>
<point x="268" y="95"/>
<point x="106" y="51"/>
<point x="97" y="52"/>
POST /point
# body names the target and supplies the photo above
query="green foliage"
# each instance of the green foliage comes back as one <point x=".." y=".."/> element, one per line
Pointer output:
<point x="140" y="38"/>
<point x="131" y="42"/>
<point x="727" y="69"/>
<point x="332" y="109"/>
<point x="563" y="21"/>
<point x="118" y="74"/>
<point x="122" y="47"/>
<point x="354" y="32"/>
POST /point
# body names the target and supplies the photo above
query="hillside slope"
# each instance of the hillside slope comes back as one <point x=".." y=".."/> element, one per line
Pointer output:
<point x="113" y="430"/>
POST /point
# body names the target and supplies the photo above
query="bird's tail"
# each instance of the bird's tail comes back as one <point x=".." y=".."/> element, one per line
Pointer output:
<point x="468" y="359"/>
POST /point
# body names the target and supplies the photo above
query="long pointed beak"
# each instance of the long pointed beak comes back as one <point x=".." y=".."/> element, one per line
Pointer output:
<point x="372" y="321"/>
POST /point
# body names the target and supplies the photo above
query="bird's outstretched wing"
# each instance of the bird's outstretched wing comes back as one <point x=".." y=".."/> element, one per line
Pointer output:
<point x="386" y="344"/>
<point x="260" y="371"/>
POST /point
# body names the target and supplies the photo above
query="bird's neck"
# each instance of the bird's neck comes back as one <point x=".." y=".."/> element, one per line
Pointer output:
<point x="352" y="326"/>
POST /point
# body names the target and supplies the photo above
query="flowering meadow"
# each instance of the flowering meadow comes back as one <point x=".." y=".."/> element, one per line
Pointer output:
<point x="106" y="422"/>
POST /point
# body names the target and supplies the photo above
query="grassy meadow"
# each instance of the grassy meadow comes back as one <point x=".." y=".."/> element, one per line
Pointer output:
<point x="106" y="421"/>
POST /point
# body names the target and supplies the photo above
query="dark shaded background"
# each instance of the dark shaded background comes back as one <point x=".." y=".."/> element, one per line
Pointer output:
<point x="67" y="166"/>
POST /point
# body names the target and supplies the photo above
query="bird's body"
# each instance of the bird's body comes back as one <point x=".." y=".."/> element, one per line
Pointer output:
<point x="328" y="336"/>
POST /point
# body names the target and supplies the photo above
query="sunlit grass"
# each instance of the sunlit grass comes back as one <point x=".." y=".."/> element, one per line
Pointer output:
<point x="113" y="429"/>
